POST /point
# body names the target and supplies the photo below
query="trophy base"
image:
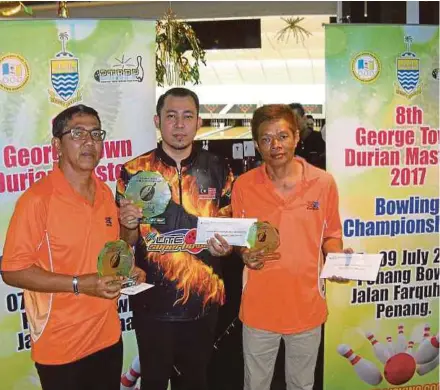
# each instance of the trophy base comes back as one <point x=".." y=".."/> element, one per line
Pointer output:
<point x="130" y="282"/>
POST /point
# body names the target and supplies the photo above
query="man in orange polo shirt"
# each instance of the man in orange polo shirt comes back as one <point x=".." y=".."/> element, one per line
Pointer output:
<point x="283" y="296"/>
<point x="58" y="228"/>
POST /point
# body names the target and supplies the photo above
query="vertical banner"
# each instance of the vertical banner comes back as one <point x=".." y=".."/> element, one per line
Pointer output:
<point x="383" y="150"/>
<point x="45" y="67"/>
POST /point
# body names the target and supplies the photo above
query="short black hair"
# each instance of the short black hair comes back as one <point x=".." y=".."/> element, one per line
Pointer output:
<point x="59" y="123"/>
<point x="179" y="92"/>
<point x="308" y="116"/>
<point x="299" y="107"/>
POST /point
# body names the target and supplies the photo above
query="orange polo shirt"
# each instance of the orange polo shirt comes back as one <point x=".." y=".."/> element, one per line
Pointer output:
<point x="287" y="296"/>
<point x="55" y="228"/>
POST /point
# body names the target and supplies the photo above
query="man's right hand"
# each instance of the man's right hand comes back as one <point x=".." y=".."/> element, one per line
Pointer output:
<point x="129" y="214"/>
<point x="108" y="287"/>
<point x="255" y="259"/>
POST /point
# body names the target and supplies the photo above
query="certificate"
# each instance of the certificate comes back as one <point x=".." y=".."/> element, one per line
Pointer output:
<point x="136" y="289"/>
<point x="355" y="266"/>
<point x="234" y="230"/>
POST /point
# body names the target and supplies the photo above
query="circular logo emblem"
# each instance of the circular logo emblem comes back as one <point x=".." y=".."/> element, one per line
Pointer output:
<point x="14" y="72"/>
<point x="365" y="67"/>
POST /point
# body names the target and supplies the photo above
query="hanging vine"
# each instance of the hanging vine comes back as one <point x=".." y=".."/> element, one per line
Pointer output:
<point x="173" y="39"/>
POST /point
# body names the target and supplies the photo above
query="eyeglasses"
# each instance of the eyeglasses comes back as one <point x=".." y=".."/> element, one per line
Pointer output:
<point x="267" y="140"/>
<point x="79" y="134"/>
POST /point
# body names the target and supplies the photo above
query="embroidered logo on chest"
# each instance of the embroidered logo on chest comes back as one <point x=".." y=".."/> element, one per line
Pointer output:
<point x="313" y="205"/>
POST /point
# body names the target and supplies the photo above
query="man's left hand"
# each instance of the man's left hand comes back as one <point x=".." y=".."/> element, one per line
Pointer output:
<point x="337" y="279"/>
<point x="218" y="246"/>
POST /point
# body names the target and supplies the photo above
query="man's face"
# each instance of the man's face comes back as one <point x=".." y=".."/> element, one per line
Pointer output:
<point x="277" y="141"/>
<point x="178" y="122"/>
<point x="310" y="123"/>
<point x="301" y="120"/>
<point x="81" y="155"/>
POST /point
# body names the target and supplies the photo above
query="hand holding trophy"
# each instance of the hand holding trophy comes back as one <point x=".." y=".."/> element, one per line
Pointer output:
<point x="264" y="240"/>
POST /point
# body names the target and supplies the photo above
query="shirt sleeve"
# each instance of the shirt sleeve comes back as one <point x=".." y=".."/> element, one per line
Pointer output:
<point x="25" y="233"/>
<point x="333" y="227"/>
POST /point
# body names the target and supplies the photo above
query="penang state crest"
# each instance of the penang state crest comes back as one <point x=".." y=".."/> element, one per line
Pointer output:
<point x="408" y="72"/>
<point x="64" y="76"/>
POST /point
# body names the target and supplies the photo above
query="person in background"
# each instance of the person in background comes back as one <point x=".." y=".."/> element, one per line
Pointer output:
<point x="175" y="320"/>
<point x="311" y="146"/>
<point x="283" y="296"/>
<point x="310" y="123"/>
<point x="59" y="226"/>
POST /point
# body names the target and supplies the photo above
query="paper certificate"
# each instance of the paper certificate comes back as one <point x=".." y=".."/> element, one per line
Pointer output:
<point x="136" y="289"/>
<point x="234" y="230"/>
<point x="355" y="266"/>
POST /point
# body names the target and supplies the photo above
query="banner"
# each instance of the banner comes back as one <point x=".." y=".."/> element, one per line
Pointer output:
<point x="45" y="67"/>
<point x="382" y="96"/>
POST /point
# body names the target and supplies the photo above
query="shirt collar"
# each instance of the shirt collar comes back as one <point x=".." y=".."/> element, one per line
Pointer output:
<point x="62" y="184"/>
<point x="161" y="155"/>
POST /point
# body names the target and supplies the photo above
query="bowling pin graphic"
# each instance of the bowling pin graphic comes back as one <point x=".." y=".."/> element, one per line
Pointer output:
<point x="381" y="351"/>
<point x="410" y="350"/>
<point x="364" y="369"/>
<point x="401" y="343"/>
<point x="391" y="351"/>
<point x="128" y="380"/>
<point x="426" y="331"/>
<point x="428" y="350"/>
<point x="428" y="367"/>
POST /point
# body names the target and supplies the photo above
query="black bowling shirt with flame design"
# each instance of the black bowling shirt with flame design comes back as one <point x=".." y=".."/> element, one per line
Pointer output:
<point x="187" y="278"/>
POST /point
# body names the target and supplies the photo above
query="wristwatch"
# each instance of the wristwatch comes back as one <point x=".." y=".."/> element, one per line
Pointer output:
<point x="75" y="285"/>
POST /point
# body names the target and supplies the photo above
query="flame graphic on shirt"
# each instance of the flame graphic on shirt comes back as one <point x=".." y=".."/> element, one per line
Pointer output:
<point x="190" y="273"/>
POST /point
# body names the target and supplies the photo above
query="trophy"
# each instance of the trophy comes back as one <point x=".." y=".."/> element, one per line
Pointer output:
<point x="117" y="259"/>
<point x="264" y="236"/>
<point x="151" y="192"/>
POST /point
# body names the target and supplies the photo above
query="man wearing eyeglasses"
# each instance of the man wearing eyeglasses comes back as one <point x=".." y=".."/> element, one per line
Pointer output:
<point x="58" y="228"/>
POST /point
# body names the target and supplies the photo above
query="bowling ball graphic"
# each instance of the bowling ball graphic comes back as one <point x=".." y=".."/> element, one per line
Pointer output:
<point x="400" y="368"/>
<point x="147" y="192"/>
<point x="190" y="237"/>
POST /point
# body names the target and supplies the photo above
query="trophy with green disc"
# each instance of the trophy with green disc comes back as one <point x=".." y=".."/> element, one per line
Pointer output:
<point x="151" y="192"/>
<point x="117" y="259"/>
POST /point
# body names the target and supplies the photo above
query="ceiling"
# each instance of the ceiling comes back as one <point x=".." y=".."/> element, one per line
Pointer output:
<point x="277" y="62"/>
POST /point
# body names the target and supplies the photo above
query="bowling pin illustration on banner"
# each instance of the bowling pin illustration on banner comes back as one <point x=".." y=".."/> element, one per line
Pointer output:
<point x="129" y="379"/>
<point x="428" y="367"/>
<point x="364" y="369"/>
<point x="410" y="350"/>
<point x="401" y="343"/>
<point x="428" y="350"/>
<point x="381" y="351"/>
<point x="391" y="350"/>
<point x="400" y="359"/>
